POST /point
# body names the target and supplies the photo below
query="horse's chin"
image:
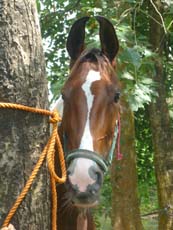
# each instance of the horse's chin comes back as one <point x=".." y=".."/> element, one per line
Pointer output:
<point x="86" y="206"/>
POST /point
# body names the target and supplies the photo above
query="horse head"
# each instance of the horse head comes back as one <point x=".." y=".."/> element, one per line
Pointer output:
<point x="90" y="111"/>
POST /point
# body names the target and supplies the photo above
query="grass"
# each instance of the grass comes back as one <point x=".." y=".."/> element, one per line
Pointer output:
<point x="147" y="197"/>
<point x="148" y="203"/>
<point x="105" y="223"/>
<point x="150" y="224"/>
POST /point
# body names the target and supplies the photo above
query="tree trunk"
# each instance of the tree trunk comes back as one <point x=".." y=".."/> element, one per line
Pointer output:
<point x="22" y="135"/>
<point x="125" y="205"/>
<point x="161" y="128"/>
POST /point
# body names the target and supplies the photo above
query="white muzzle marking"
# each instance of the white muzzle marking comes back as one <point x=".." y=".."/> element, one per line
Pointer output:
<point x="80" y="176"/>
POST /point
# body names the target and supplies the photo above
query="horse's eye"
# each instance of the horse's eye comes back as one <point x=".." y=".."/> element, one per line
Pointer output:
<point x="62" y="96"/>
<point x="116" y="97"/>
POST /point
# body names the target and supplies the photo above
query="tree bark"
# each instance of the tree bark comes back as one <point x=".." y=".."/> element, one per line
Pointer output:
<point x="22" y="135"/>
<point x="125" y="205"/>
<point x="161" y="127"/>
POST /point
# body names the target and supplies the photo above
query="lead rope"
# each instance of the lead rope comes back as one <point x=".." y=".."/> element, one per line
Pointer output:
<point x="48" y="151"/>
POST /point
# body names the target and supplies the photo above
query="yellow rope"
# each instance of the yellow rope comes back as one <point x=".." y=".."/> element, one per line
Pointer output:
<point x="48" y="151"/>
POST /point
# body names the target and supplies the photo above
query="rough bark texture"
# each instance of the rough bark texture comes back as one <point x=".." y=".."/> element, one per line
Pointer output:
<point x="125" y="213"/>
<point x="161" y="128"/>
<point x="22" y="135"/>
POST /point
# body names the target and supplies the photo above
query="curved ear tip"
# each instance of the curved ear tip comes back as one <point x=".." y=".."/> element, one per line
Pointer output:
<point x="83" y="19"/>
<point x="108" y="37"/>
<point x="76" y="36"/>
<point x="100" y="18"/>
<point x="79" y="22"/>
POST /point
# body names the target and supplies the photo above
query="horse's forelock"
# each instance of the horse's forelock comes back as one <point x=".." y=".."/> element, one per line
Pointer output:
<point x="96" y="60"/>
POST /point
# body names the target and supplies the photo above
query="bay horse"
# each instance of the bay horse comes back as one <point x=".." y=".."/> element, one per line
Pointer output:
<point x="90" y="108"/>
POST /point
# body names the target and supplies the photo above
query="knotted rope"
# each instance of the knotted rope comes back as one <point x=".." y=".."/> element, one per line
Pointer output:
<point x="48" y="151"/>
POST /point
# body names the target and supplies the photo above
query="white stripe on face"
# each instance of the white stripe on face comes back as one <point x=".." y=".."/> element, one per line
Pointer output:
<point x="87" y="140"/>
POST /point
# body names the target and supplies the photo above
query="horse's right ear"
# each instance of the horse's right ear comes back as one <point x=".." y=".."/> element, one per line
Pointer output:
<point x="108" y="38"/>
<point x="76" y="37"/>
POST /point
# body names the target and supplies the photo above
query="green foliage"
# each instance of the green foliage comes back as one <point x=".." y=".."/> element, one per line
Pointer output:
<point x="136" y="67"/>
<point x="148" y="197"/>
<point x="56" y="18"/>
<point x="103" y="211"/>
<point x="145" y="164"/>
<point x="151" y="224"/>
<point x="144" y="148"/>
<point x="135" y="58"/>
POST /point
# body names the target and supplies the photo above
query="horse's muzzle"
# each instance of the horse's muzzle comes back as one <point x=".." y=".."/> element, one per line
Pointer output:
<point x="85" y="178"/>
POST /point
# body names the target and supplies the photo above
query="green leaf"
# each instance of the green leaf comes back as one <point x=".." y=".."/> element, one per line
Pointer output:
<point x="128" y="76"/>
<point x="132" y="56"/>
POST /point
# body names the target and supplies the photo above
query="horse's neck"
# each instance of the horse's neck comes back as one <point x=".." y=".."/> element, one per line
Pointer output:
<point x="76" y="222"/>
<point x="73" y="219"/>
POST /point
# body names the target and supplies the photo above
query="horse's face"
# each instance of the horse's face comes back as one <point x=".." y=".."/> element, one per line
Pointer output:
<point x="90" y="111"/>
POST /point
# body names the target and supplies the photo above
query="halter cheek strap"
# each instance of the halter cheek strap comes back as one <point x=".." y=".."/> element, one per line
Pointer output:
<point x="115" y="142"/>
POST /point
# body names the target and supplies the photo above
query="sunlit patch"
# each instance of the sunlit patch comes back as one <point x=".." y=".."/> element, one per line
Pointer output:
<point x="58" y="105"/>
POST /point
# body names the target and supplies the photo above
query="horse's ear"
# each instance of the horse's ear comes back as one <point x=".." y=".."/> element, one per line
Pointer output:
<point x="108" y="38"/>
<point x="76" y="37"/>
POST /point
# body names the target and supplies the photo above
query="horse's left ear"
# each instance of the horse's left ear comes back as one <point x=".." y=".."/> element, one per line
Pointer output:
<point x="108" y="38"/>
<point x="76" y="37"/>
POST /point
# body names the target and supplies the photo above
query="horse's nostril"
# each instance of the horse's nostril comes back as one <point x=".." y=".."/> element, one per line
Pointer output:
<point x="93" y="192"/>
<point x="94" y="188"/>
<point x="99" y="178"/>
<point x="95" y="173"/>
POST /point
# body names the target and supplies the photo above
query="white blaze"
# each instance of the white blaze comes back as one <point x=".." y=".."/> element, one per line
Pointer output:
<point x="87" y="140"/>
<point x="81" y="176"/>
